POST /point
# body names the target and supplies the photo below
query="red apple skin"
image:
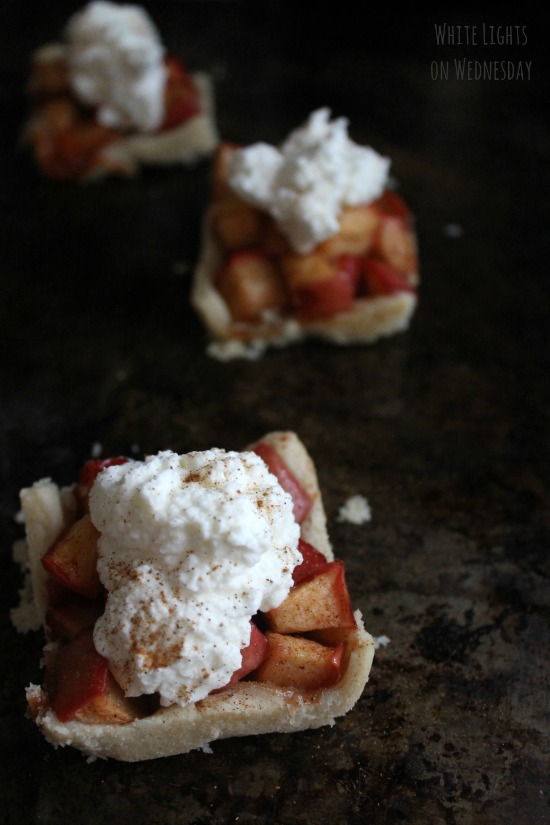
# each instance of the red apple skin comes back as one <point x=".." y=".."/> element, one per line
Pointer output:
<point x="312" y="561"/>
<point x="79" y="675"/>
<point x="390" y="203"/>
<point x="67" y="617"/>
<point x="81" y="687"/>
<point x="88" y="474"/>
<point x="292" y="661"/>
<point x="319" y="602"/>
<point x="181" y="99"/>
<point x="112" y="707"/>
<point x="252" y="657"/>
<point x="395" y="240"/>
<point x="64" y="143"/>
<point x="288" y="481"/>
<point x="325" y="298"/>
<point x="381" y="279"/>
<point x="72" y="559"/>
<point x="395" y="243"/>
<point x="219" y="170"/>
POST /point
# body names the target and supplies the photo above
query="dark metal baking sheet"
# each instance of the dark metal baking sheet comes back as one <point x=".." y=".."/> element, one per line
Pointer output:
<point x="443" y="428"/>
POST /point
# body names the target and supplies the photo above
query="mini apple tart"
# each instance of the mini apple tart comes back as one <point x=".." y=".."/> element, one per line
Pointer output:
<point x="304" y="240"/>
<point x="189" y="598"/>
<point x="107" y="99"/>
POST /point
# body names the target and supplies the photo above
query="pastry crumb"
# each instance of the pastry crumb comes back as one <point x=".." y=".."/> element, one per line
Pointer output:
<point x="355" y="510"/>
<point x="96" y="450"/>
<point x="453" y="230"/>
<point x="380" y="641"/>
<point x="227" y="350"/>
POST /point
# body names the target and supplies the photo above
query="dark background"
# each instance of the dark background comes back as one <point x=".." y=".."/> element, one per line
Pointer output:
<point x="443" y="428"/>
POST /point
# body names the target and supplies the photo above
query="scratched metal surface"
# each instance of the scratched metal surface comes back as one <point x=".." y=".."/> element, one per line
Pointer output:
<point x="442" y="428"/>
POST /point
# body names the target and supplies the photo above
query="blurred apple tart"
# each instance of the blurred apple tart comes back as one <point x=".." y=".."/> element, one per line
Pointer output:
<point x="107" y="99"/>
<point x="304" y="240"/>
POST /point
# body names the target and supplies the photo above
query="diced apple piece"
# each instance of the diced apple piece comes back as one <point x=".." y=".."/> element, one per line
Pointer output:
<point x="358" y="225"/>
<point x="252" y="656"/>
<point x="112" y="707"/>
<point x="79" y="673"/>
<point x="251" y="284"/>
<point x="300" y="271"/>
<point x="181" y="95"/>
<point x="236" y="224"/>
<point x="49" y="72"/>
<point x="331" y="636"/>
<point x="66" y="145"/>
<point x="317" y="603"/>
<point x="321" y="287"/>
<point x="273" y="241"/>
<point x="313" y="561"/>
<point x="67" y="617"/>
<point x="325" y="298"/>
<point x="300" y="663"/>
<point x="390" y="203"/>
<point x="220" y="170"/>
<point x="56" y="592"/>
<point x="72" y="559"/>
<point x="58" y="115"/>
<point x="381" y="279"/>
<point x="288" y="481"/>
<point x="81" y="686"/>
<point x="54" y="117"/>
<point x="88" y="474"/>
<point x="395" y="243"/>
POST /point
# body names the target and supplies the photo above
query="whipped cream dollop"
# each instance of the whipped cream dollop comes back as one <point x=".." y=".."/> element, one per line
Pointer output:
<point x="306" y="181"/>
<point x="191" y="547"/>
<point x="116" y="63"/>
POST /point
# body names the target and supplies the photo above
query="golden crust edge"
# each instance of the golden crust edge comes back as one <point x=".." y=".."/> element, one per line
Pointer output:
<point x="247" y="709"/>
